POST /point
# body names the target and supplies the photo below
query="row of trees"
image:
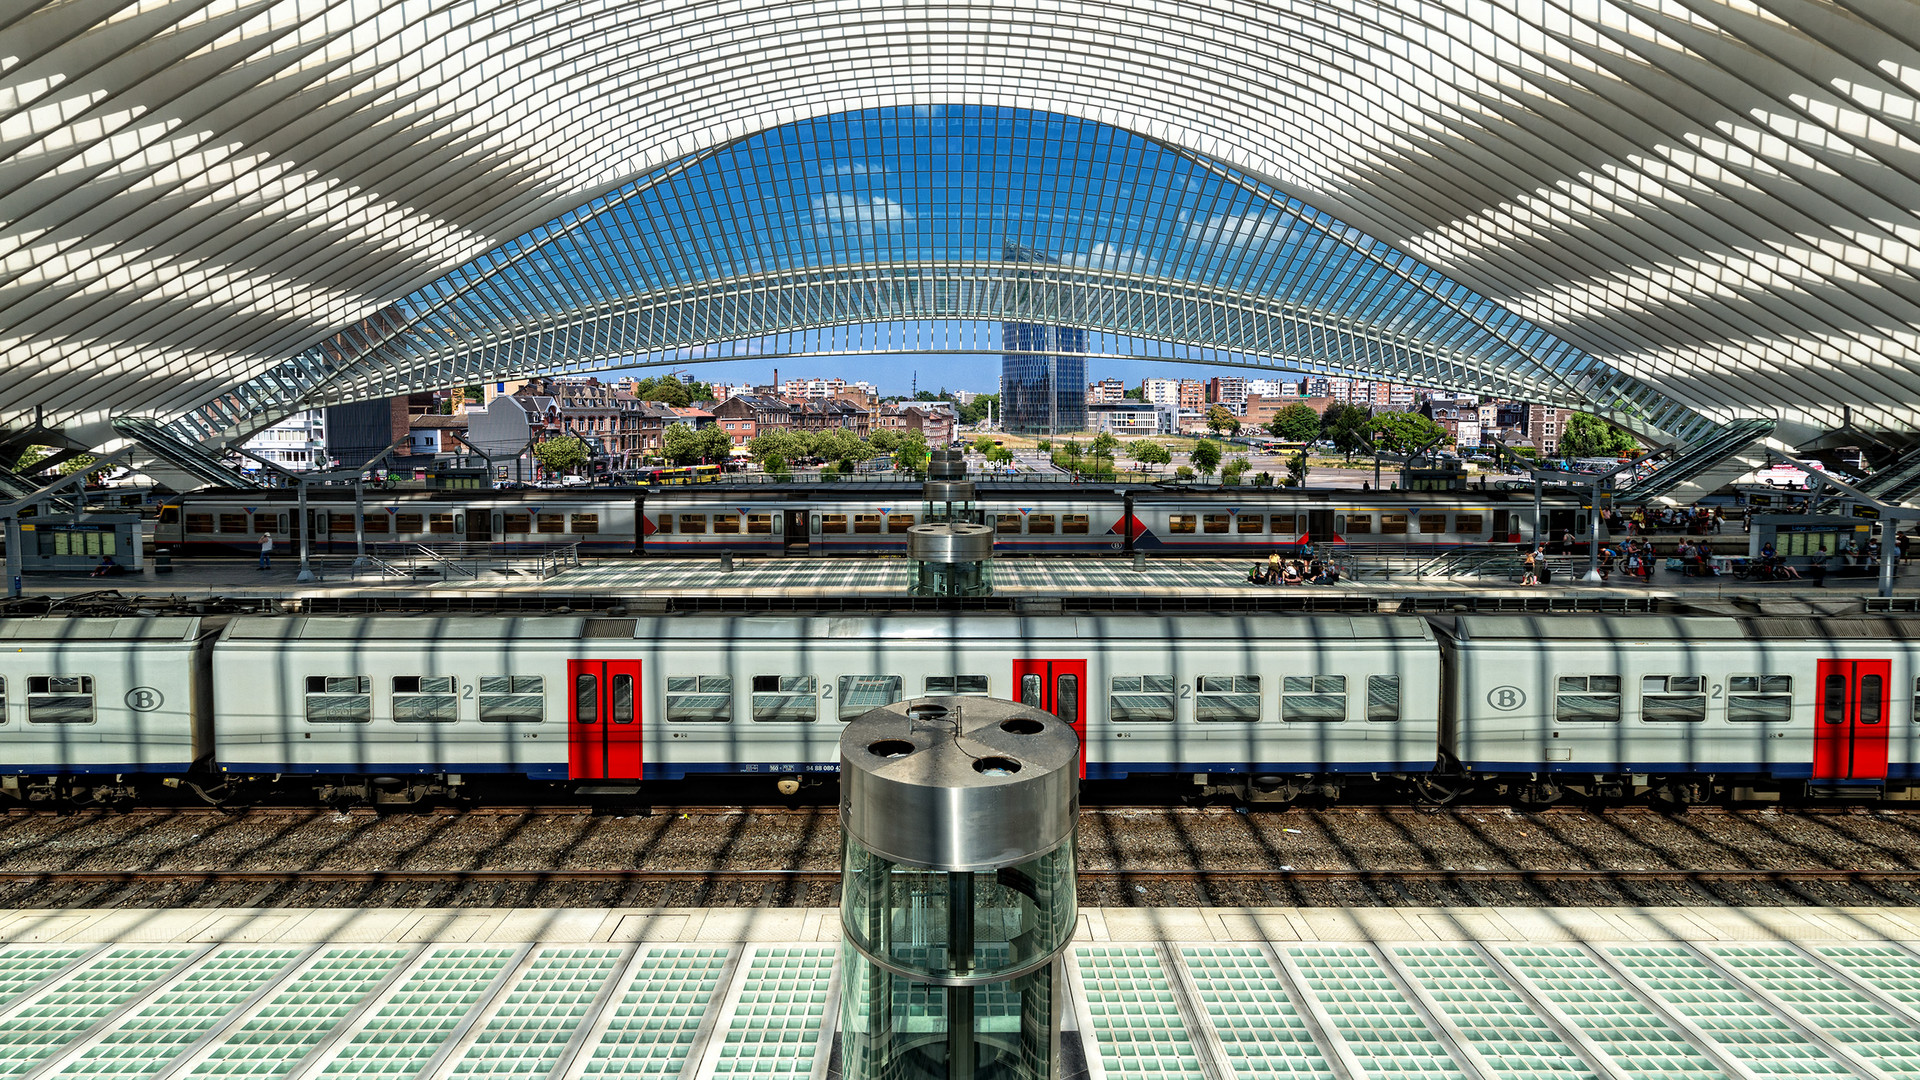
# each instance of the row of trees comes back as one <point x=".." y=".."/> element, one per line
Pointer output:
<point x="1354" y="430"/>
<point x="839" y="450"/>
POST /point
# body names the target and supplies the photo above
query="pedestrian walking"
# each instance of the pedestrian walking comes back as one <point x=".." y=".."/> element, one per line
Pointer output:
<point x="266" y="550"/>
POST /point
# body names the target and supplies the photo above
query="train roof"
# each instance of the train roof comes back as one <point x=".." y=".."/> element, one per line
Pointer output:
<point x="1667" y="628"/>
<point x="129" y="628"/>
<point x="417" y="628"/>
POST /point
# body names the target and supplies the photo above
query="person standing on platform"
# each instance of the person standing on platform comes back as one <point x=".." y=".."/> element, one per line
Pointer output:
<point x="266" y="549"/>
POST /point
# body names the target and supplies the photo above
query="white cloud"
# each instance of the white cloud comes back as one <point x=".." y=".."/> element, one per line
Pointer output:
<point x="1109" y="257"/>
<point x="844" y="214"/>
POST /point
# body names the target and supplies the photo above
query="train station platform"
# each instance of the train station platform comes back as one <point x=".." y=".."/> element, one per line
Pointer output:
<point x="1155" y="994"/>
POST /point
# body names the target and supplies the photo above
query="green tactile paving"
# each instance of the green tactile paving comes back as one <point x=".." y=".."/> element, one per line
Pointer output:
<point x="1136" y="1021"/>
<point x="48" y="1022"/>
<point x="1824" y="1003"/>
<point x="1495" y="1019"/>
<point x="149" y="1038"/>
<point x="1887" y="968"/>
<point x="1381" y="1028"/>
<point x="657" y="1014"/>
<point x="299" y="1016"/>
<point x="776" y="1020"/>
<point x="1743" y="1027"/>
<point x="1247" y="1004"/>
<point x="1638" y="1040"/>
<point x="23" y="967"/>
<point x="527" y="1034"/>
<point x="409" y="1027"/>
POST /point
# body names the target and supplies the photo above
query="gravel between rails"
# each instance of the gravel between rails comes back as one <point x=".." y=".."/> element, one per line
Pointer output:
<point x="1284" y="850"/>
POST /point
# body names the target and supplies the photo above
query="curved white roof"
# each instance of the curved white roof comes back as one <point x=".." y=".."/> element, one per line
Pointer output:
<point x="1715" y="201"/>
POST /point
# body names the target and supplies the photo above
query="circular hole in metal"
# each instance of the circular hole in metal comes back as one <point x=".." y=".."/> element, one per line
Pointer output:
<point x="890" y="748"/>
<point x="996" y="766"/>
<point x="927" y="712"/>
<point x="1022" y="725"/>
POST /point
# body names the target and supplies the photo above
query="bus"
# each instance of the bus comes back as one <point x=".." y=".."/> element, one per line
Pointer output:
<point x="670" y="475"/>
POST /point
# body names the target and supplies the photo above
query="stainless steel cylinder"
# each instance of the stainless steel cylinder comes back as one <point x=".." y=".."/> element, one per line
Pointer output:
<point x="948" y="491"/>
<point x="952" y="542"/>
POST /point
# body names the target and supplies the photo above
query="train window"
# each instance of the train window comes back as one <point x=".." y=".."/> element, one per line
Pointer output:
<point x="1673" y="699"/>
<point x="60" y="699"/>
<point x="760" y="524"/>
<point x="692" y="524"/>
<point x="233" y="523"/>
<point x="956" y="686"/>
<point x="1074" y="524"/>
<point x="340" y="523"/>
<point x="1392" y="524"/>
<point x="1360" y="523"/>
<point x="699" y="699"/>
<point x="440" y="523"/>
<point x="1227" y="699"/>
<point x="1216" y="523"/>
<point x="1469" y="524"/>
<point x="586" y="698"/>
<point x="406" y="523"/>
<point x="1313" y="699"/>
<point x="899" y="523"/>
<point x="3" y="699"/>
<point x="866" y="523"/>
<point x="1181" y="523"/>
<point x="1284" y="525"/>
<point x="1141" y="698"/>
<point x="376" y="524"/>
<point x="1870" y="699"/>
<point x="551" y="523"/>
<point x="1007" y="523"/>
<point x="1251" y="523"/>
<point x="1039" y="524"/>
<point x="859" y="693"/>
<point x="520" y="524"/>
<point x="787" y="698"/>
<point x="727" y="523"/>
<point x="513" y="699"/>
<point x="169" y="515"/>
<point x="1760" y="698"/>
<point x="339" y="699"/>
<point x="1433" y="523"/>
<point x="1834" y="700"/>
<point x="1383" y="698"/>
<point x="833" y="523"/>
<point x="589" y="523"/>
<point x="424" y="699"/>
<point x="621" y="702"/>
<point x="1587" y="698"/>
<point x="199" y="523"/>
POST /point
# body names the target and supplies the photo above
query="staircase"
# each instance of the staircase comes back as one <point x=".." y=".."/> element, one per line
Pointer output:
<point x="190" y="464"/>
<point x="1705" y="467"/>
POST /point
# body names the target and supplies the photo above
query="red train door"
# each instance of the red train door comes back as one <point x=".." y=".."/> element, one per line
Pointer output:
<point x="1059" y="687"/>
<point x="603" y="719"/>
<point x="1850" y="719"/>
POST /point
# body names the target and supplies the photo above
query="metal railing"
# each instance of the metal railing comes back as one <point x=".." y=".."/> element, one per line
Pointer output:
<point x="463" y="560"/>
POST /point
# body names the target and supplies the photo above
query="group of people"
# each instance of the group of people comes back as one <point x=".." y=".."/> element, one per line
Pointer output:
<point x="1698" y="521"/>
<point x="1279" y="571"/>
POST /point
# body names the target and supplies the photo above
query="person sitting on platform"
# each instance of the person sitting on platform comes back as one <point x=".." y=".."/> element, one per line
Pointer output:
<point x="1291" y="575"/>
<point x="107" y="568"/>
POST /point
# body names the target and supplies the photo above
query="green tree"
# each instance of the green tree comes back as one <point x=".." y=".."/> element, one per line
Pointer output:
<point x="34" y="454"/>
<point x="1183" y="473"/>
<point x="983" y="444"/>
<point x="1043" y="445"/>
<point x="912" y="454"/>
<point x="1104" y="445"/>
<point x="885" y="440"/>
<point x="686" y="446"/>
<point x="1590" y="436"/>
<point x="665" y="389"/>
<point x="1295" y="423"/>
<point x="1348" y="427"/>
<point x="976" y="411"/>
<point x="1234" y="469"/>
<point x="1222" y="421"/>
<point x="1149" y="453"/>
<point x="1297" y="469"/>
<point x="563" y="455"/>
<point x="1137" y="393"/>
<point x="783" y="446"/>
<point x="1000" y="455"/>
<point x="1205" y="456"/>
<point x="1406" y="432"/>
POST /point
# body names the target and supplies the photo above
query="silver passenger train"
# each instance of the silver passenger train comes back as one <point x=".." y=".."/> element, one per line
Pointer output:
<point x="767" y="519"/>
<point x="403" y="708"/>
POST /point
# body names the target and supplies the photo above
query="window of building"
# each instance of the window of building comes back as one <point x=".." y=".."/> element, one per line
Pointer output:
<point x="1074" y="524"/>
<point x="760" y="524"/>
<point x="727" y="523"/>
<point x="1251" y="523"/>
<point x="956" y="686"/>
<point x="701" y="699"/>
<point x="518" y="524"/>
<point x="1383" y="698"/>
<point x="233" y="523"/>
<point x="1140" y="698"/>
<point x="407" y="523"/>
<point x="868" y="524"/>
<point x="1587" y="698"/>
<point x="1226" y="699"/>
<point x="1763" y="698"/>
<point x="899" y="523"/>
<point x="693" y="524"/>
<point x="1039" y="524"/>
<point x="1181" y="523"/>
<point x="1360" y="523"/>
<point x="1313" y="698"/>
<point x="199" y="523"/>
<point x="513" y="699"/>
<point x="833" y="523"/>
<point x="425" y="699"/>
<point x="1469" y="524"/>
<point x="339" y="699"/>
<point x="1216" y="523"/>
<point x="1393" y="524"/>
<point x="1673" y="699"/>
<point x="1433" y="523"/>
<point x="859" y="693"/>
<point x="60" y="699"/>
<point x="788" y="698"/>
<point x="440" y="523"/>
